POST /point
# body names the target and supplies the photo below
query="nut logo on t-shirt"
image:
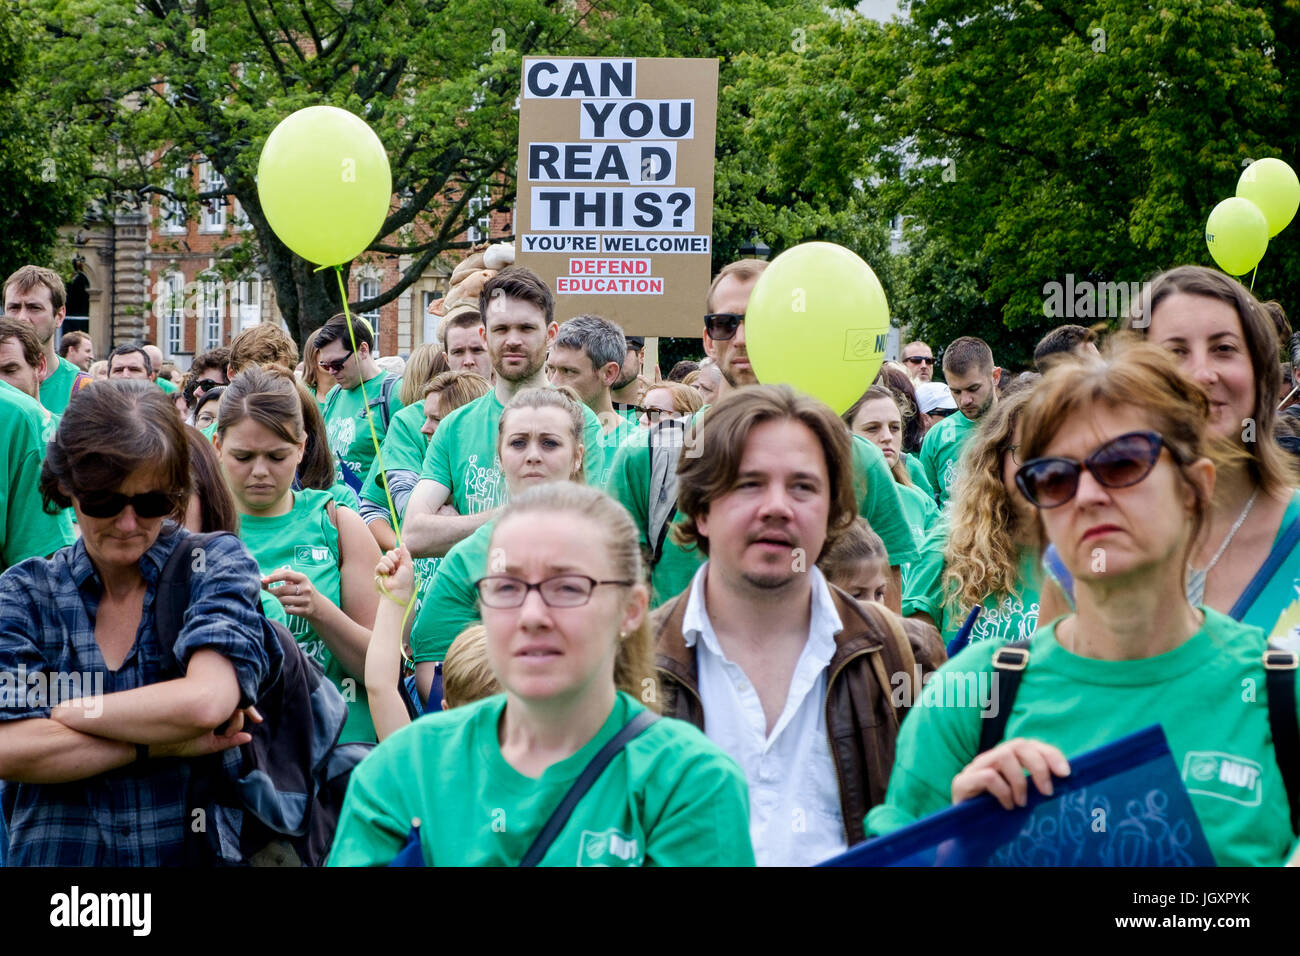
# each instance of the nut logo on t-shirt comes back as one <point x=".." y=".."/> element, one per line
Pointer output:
<point x="307" y="554"/>
<point x="1226" y="776"/>
<point x="609" y="848"/>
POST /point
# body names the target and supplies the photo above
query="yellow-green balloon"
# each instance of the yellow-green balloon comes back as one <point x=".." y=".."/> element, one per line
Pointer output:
<point x="324" y="184"/>
<point x="1271" y="185"/>
<point x="1237" y="234"/>
<point x="818" y="320"/>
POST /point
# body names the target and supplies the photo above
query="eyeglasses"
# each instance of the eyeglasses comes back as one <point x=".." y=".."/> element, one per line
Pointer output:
<point x="1015" y="454"/>
<point x="337" y="366"/>
<point x="203" y="384"/>
<point x="148" y="504"/>
<point x="722" y="325"/>
<point x="919" y="360"/>
<point x="652" y="415"/>
<point x="1121" y="462"/>
<point x="563" y="590"/>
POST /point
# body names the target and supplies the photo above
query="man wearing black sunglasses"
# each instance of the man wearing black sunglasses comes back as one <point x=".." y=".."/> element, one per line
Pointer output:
<point x="724" y="340"/>
<point x="206" y="373"/>
<point x="919" y="362"/>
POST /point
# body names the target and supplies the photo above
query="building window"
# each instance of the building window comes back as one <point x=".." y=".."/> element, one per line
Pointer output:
<point x="174" y="313"/>
<point x="480" y="226"/>
<point x="173" y="210"/>
<point x="214" y="307"/>
<point x="250" y="301"/>
<point x="213" y="218"/>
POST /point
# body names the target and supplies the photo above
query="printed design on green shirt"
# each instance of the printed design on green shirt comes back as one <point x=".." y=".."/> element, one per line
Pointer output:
<point x="307" y="554"/>
<point x="609" y="848"/>
<point x="485" y="488"/>
<point x="949" y="476"/>
<point x="1287" y="629"/>
<point x="342" y="433"/>
<point x="1226" y="776"/>
<point x="1008" y="620"/>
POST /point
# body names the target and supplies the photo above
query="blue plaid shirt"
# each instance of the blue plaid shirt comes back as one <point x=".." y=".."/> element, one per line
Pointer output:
<point x="135" y="815"/>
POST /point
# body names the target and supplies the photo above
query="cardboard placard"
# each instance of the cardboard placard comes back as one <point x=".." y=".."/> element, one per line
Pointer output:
<point x="615" y="199"/>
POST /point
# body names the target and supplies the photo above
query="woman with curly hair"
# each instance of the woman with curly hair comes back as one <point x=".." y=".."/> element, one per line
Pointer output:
<point x="981" y="551"/>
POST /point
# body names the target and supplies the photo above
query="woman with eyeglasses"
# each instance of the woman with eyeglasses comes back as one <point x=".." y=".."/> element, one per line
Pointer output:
<point x="982" y="552"/>
<point x="1247" y="565"/>
<point x="90" y="769"/>
<point x="1115" y="465"/>
<point x="668" y="400"/>
<point x="539" y="440"/>
<point x="317" y="558"/>
<point x="567" y="637"/>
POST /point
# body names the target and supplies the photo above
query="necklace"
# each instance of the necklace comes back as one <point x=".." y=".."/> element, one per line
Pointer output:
<point x="1195" y="578"/>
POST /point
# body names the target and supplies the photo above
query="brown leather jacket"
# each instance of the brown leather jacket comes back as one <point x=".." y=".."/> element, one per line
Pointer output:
<point x="862" y="711"/>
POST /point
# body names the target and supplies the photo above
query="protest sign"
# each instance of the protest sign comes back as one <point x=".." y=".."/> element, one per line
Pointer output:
<point x="615" y="200"/>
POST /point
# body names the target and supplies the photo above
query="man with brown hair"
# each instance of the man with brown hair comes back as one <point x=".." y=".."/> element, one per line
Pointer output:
<point x="262" y="344"/>
<point x="787" y="674"/>
<point x="632" y="467"/>
<point x="22" y="363"/>
<point x="461" y="484"/>
<point x="36" y="295"/>
<point x="459" y="334"/>
<point x="78" y="348"/>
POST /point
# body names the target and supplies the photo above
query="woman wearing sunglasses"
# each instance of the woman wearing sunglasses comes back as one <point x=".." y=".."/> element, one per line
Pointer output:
<point x="317" y="558"/>
<point x="1247" y="565"/>
<point x="86" y="782"/>
<point x="567" y="637"/>
<point x="1115" y="463"/>
<point x="539" y="440"/>
<point x="983" y="551"/>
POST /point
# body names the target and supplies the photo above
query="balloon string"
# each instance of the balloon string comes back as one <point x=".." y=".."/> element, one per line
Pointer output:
<point x="379" y="455"/>
<point x="1252" y="277"/>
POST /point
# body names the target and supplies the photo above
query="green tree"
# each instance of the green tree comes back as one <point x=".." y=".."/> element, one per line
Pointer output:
<point x="160" y="81"/>
<point x="1088" y="138"/>
<point x="42" y="169"/>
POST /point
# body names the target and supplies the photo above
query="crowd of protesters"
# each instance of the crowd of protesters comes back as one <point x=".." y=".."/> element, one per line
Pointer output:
<point x="527" y="577"/>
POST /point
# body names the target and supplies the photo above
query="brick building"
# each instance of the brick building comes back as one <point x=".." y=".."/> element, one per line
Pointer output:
<point x="154" y="277"/>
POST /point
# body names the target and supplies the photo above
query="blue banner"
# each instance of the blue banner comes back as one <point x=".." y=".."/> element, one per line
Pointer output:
<point x="1123" y="804"/>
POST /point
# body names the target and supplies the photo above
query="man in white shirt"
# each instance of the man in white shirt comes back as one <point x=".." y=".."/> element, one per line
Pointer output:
<point x="760" y="651"/>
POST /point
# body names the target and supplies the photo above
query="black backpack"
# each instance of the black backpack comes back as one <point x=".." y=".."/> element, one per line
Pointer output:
<point x="275" y="801"/>
<point x="1010" y="661"/>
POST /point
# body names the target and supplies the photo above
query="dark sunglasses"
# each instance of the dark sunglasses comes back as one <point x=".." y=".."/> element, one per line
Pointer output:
<point x="335" y="367"/>
<point x="203" y="384"/>
<point x="722" y="325"/>
<point x="919" y="360"/>
<point x="1121" y="462"/>
<point x="149" y="504"/>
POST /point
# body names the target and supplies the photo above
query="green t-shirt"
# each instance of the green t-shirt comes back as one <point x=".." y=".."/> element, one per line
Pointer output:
<point x="56" y="391"/>
<point x="916" y="471"/>
<point x="1196" y="692"/>
<point x="306" y="541"/>
<point x="941" y="452"/>
<point x="920" y="511"/>
<point x="1276" y="610"/>
<point x="451" y="604"/>
<point x="346" y="426"/>
<point x="26" y="531"/>
<point x="669" y="798"/>
<point x="1006" y="617"/>
<point x="211" y="431"/>
<point x="878" y="502"/>
<point x="463" y="455"/>
<point x="166" y="385"/>
<point x="404" y="448"/>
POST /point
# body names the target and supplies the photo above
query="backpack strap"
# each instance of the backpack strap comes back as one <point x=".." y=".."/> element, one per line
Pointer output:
<point x="1281" y="551"/>
<point x="1009" y="663"/>
<point x="1280" y="674"/>
<point x="382" y="400"/>
<point x="172" y="596"/>
<point x="589" y="775"/>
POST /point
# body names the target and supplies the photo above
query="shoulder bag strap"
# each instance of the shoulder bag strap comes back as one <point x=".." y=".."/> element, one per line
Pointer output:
<point x="1009" y="663"/>
<point x="1281" y="551"/>
<point x="1280" y="674"/>
<point x="172" y="596"/>
<point x="589" y="775"/>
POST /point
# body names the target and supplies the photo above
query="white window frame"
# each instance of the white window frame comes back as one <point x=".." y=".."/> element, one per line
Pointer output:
<point x="174" y="315"/>
<point x="480" y="227"/>
<point x="212" y="217"/>
<point x="172" y="211"/>
<point x="249" y="302"/>
<point x="214" y="310"/>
